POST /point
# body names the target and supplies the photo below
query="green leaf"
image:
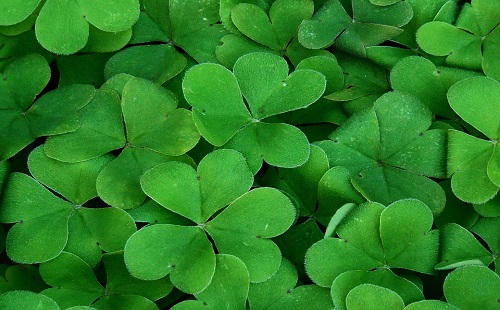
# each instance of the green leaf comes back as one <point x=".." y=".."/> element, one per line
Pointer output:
<point x="118" y="184"/>
<point x="280" y="145"/>
<point x="279" y="28"/>
<point x="253" y="218"/>
<point x="125" y="302"/>
<point x="104" y="42"/>
<point x="120" y="282"/>
<point x="101" y="131"/>
<point x="337" y="218"/>
<point x="26" y="300"/>
<point x="491" y="208"/>
<point x="229" y="286"/>
<point x="153" y="213"/>
<point x="94" y="230"/>
<point x="74" y="181"/>
<point x="487" y="229"/>
<point x="26" y="77"/>
<point x="329" y="67"/>
<point x="110" y="16"/>
<point x="14" y="133"/>
<point x="303" y="297"/>
<point x="161" y="128"/>
<point x="61" y="27"/>
<point x="188" y="256"/>
<point x="22" y="277"/>
<point x="327" y="23"/>
<point x="407" y="238"/>
<point x="67" y="290"/>
<point x="235" y="46"/>
<point x="262" y="295"/>
<point x="56" y="112"/>
<point x="218" y="108"/>
<point x="15" y="11"/>
<point x="476" y="93"/>
<point x="385" y="278"/>
<point x="158" y="63"/>
<point x="369" y="296"/>
<point x="468" y="159"/>
<point x="31" y="215"/>
<point x="472" y="287"/>
<point x="430" y="305"/>
<point x="277" y="92"/>
<point x="459" y="245"/>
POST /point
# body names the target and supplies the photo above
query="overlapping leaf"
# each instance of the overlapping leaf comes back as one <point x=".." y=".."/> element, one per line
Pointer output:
<point x="472" y="158"/>
<point x="222" y="117"/>
<point x="372" y="236"/>
<point x="389" y="151"/>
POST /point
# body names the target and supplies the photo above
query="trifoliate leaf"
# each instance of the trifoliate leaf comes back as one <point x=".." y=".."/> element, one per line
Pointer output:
<point x="110" y="16"/>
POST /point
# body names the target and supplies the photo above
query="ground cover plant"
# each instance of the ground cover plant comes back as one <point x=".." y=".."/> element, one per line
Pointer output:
<point x="250" y="154"/>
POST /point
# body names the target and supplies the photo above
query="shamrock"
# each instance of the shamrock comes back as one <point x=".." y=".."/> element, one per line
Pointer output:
<point x="55" y="112"/>
<point x="241" y="229"/>
<point x="471" y="43"/>
<point x="389" y="151"/>
<point x="477" y="101"/>
<point x="224" y="120"/>
<point x="372" y="236"/>
<point x="158" y="134"/>
<point x="50" y="224"/>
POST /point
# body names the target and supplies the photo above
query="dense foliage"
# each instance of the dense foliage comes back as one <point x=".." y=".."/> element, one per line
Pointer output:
<point x="250" y="154"/>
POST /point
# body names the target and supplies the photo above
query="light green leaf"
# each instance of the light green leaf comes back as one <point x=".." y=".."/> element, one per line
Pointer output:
<point x="26" y="77"/>
<point x="188" y="256"/>
<point x="104" y="42"/>
<point x="94" y="230"/>
<point x="44" y="242"/>
<point x="478" y="94"/>
<point x="26" y="300"/>
<point x="61" y="27"/>
<point x="262" y="295"/>
<point x="303" y="297"/>
<point x="15" y="11"/>
<point x="118" y="184"/>
<point x="269" y="90"/>
<point x="110" y="16"/>
<point x="459" y="245"/>
<point x="229" y="286"/>
<point x="253" y="218"/>
<point x="337" y="218"/>
<point x="430" y="305"/>
<point x="74" y="181"/>
<point x="468" y="160"/>
<point x="369" y="296"/>
<point x="218" y="108"/>
<point x="385" y="278"/>
<point x="472" y="287"/>
<point x="327" y="23"/>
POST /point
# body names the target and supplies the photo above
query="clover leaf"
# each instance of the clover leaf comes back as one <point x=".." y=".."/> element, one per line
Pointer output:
<point x="304" y="296"/>
<point x="222" y="116"/>
<point x="55" y="112"/>
<point x="471" y="43"/>
<point x="163" y="134"/>
<point x="126" y="302"/>
<point x="67" y="31"/>
<point x="372" y="236"/>
<point x="350" y="281"/>
<point x="277" y="30"/>
<point x="471" y="157"/>
<point x="389" y="147"/>
<point x="471" y="287"/>
<point x="369" y="25"/>
<point x="370" y="296"/>
<point x="190" y="260"/>
<point x="262" y="295"/>
<point x="50" y="224"/>
<point x="26" y="300"/>
<point x="21" y="277"/>
<point x="430" y="304"/>
<point x="421" y="78"/>
<point x="83" y="289"/>
<point x="230" y="280"/>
